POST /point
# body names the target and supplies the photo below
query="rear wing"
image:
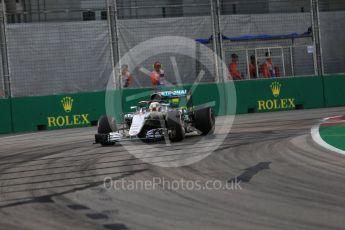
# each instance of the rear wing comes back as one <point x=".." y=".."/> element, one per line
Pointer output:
<point x="176" y="98"/>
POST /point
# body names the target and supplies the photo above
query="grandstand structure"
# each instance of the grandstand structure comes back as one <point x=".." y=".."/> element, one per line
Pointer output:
<point x="76" y="45"/>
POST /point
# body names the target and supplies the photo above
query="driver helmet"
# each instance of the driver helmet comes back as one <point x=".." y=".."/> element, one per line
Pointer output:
<point x="154" y="106"/>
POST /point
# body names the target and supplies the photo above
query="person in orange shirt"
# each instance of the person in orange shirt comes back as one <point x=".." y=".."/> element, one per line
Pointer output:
<point x="233" y="68"/>
<point x="157" y="76"/>
<point x="127" y="77"/>
<point x="269" y="71"/>
<point x="252" y="67"/>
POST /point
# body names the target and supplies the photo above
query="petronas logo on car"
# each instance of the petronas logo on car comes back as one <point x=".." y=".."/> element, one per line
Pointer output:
<point x="174" y="93"/>
<point x="65" y="120"/>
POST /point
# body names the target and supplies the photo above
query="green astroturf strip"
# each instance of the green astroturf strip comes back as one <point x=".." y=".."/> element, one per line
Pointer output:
<point x="334" y="135"/>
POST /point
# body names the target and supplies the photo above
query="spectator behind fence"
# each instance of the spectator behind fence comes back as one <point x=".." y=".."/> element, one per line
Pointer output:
<point x="127" y="77"/>
<point x="233" y="68"/>
<point x="268" y="68"/>
<point x="252" y="67"/>
<point x="157" y="76"/>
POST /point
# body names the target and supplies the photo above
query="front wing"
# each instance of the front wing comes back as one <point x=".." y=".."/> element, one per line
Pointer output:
<point x="117" y="137"/>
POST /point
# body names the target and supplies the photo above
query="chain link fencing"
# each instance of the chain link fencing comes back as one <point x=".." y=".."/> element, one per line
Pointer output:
<point x="3" y="57"/>
<point x="136" y="27"/>
<point x="55" y="47"/>
<point x="332" y="18"/>
<point x="284" y="36"/>
<point x="57" y="51"/>
<point x="134" y="32"/>
<point x="2" y="80"/>
<point x="58" y="57"/>
<point x="2" y="85"/>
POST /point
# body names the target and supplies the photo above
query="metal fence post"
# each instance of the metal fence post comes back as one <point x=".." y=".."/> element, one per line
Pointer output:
<point x="315" y="13"/>
<point x="216" y="39"/>
<point x="114" y="40"/>
<point x="315" y="17"/>
<point x="4" y="60"/>
<point x="4" y="54"/>
<point x="220" y="41"/>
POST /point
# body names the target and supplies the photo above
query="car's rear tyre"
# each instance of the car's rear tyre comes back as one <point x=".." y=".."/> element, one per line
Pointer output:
<point x="204" y="120"/>
<point x="106" y="125"/>
<point x="175" y="126"/>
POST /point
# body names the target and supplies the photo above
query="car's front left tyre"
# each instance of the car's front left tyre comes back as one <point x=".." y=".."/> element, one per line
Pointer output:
<point x="106" y="125"/>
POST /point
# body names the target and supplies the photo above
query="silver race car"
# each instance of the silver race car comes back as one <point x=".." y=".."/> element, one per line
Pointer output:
<point x="168" y="114"/>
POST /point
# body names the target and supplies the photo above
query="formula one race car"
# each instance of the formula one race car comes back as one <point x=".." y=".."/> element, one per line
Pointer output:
<point x="168" y="114"/>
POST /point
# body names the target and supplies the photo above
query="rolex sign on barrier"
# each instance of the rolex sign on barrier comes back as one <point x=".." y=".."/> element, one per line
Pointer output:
<point x="276" y="102"/>
<point x="67" y="118"/>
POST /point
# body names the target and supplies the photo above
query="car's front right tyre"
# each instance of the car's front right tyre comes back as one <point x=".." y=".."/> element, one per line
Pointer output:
<point x="204" y="120"/>
<point x="175" y="126"/>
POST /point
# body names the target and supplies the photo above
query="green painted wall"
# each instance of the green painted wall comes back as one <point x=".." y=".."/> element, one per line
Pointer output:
<point x="52" y="112"/>
<point x="334" y="90"/>
<point x="288" y="94"/>
<point x="48" y="112"/>
<point x="5" y="116"/>
<point x="306" y="92"/>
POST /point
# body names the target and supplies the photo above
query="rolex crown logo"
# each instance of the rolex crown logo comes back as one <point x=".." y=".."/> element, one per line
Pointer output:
<point x="67" y="103"/>
<point x="275" y="87"/>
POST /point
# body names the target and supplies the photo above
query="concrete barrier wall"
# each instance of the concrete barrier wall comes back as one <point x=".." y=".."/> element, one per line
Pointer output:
<point x="279" y="94"/>
<point x="5" y="116"/>
<point x="80" y="110"/>
<point x="55" y="112"/>
<point x="334" y="86"/>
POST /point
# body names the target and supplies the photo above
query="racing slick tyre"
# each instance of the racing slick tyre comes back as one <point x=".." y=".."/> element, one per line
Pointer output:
<point x="204" y="120"/>
<point x="106" y="125"/>
<point x="175" y="126"/>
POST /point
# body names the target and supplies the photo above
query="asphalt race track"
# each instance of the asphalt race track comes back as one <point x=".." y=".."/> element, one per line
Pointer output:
<point x="54" y="180"/>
